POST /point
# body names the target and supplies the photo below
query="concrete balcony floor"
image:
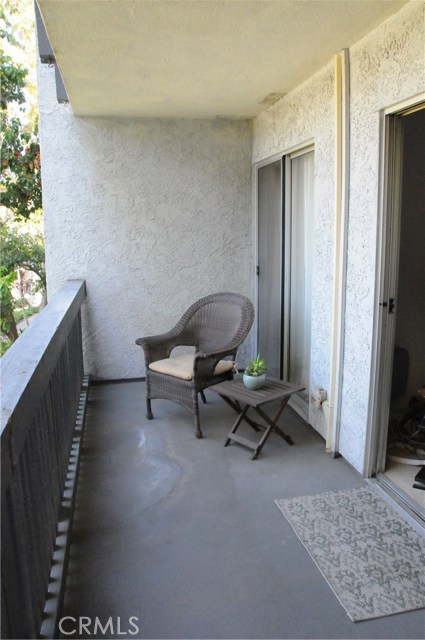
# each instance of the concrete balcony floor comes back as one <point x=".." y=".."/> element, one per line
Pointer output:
<point x="184" y="535"/>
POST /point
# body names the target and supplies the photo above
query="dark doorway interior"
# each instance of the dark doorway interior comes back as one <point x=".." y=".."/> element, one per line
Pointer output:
<point x="406" y="434"/>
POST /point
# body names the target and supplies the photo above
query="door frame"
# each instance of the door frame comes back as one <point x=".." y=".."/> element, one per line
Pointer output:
<point x="284" y="157"/>
<point x="387" y="265"/>
<point x="256" y="166"/>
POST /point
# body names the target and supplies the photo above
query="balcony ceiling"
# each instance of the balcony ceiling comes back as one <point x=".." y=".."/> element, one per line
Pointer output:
<point x="197" y="58"/>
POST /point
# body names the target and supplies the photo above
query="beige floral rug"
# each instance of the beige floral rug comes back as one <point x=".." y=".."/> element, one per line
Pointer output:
<point x="371" y="558"/>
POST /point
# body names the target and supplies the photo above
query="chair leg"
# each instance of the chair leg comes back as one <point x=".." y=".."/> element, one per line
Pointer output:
<point x="149" y="413"/>
<point x="204" y="400"/>
<point x="198" y="432"/>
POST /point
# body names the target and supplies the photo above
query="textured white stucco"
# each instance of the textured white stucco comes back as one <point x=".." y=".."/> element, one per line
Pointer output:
<point x="153" y="214"/>
<point x="386" y="67"/>
<point x="304" y="115"/>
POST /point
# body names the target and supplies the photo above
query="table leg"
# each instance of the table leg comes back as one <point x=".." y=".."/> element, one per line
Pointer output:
<point x="272" y="427"/>
<point x="262" y="443"/>
<point x="237" y="407"/>
<point x="239" y="419"/>
<point x="272" y="423"/>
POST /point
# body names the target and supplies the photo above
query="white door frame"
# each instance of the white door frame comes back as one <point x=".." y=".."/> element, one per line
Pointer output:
<point x="388" y="236"/>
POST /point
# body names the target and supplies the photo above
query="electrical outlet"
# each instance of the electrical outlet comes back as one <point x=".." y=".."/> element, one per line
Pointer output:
<point x="318" y="395"/>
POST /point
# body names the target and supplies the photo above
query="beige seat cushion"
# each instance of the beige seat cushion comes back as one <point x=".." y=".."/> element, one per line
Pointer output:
<point x="182" y="367"/>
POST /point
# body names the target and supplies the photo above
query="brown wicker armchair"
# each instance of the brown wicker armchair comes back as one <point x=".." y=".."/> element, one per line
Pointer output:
<point x="215" y="325"/>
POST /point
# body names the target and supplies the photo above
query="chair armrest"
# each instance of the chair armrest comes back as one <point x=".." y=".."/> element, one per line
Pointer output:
<point x="158" y="347"/>
<point x="229" y="350"/>
<point x="205" y="363"/>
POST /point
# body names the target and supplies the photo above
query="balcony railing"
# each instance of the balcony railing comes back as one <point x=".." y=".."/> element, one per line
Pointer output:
<point x="42" y="377"/>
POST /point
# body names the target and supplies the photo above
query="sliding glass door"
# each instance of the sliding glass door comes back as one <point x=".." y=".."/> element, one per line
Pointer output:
<point x="298" y="268"/>
<point x="285" y="205"/>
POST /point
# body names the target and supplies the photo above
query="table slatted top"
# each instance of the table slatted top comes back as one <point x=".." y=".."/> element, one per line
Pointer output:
<point x="273" y="389"/>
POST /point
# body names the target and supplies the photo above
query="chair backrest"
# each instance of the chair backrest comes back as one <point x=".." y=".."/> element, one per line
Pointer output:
<point x="218" y="320"/>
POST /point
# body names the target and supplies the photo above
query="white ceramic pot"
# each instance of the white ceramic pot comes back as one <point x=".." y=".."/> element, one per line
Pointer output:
<point x="254" y="382"/>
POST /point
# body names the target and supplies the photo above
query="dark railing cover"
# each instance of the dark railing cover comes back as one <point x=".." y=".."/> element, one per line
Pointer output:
<point x="42" y="374"/>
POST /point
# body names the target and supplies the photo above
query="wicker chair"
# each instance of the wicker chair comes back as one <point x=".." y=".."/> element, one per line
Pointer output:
<point x="215" y="325"/>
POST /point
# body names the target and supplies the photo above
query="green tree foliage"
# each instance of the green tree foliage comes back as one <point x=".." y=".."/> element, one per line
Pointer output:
<point x="7" y="319"/>
<point x="12" y="82"/>
<point x="22" y="249"/>
<point x="20" y="178"/>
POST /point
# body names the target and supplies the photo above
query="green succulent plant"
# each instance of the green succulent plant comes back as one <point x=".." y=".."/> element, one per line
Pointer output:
<point x="256" y="367"/>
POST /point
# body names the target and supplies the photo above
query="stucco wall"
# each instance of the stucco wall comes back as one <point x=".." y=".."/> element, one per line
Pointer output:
<point x="304" y="115"/>
<point x="152" y="214"/>
<point x="386" y="66"/>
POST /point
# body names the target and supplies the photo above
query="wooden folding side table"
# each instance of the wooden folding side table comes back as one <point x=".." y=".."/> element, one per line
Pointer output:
<point x="235" y="393"/>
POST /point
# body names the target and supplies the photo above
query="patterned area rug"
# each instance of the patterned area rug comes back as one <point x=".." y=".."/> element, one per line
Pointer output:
<point x="371" y="558"/>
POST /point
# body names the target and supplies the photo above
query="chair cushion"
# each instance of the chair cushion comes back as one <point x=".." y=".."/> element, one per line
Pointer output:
<point x="182" y="367"/>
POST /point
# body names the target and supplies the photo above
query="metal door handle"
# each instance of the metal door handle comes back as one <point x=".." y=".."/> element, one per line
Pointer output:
<point x="390" y="304"/>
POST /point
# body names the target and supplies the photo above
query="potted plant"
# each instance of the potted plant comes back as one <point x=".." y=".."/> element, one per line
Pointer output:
<point x="255" y="373"/>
